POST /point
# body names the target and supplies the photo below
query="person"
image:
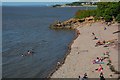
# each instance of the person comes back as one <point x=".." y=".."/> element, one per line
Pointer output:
<point x="97" y="60"/>
<point x="105" y="28"/>
<point x="98" y="42"/>
<point x="85" y="77"/>
<point x="22" y="55"/>
<point x="103" y="41"/>
<point x="106" y="56"/>
<point x="79" y="78"/>
<point x="101" y="76"/>
<point x="107" y="53"/>
<point x="78" y="33"/>
<point x="58" y="63"/>
<point x="101" y="59"/>
<point x="95" y="38"/>
<point x="111" y="76"/>
<point x="29" y="52"/>
<point x="100" y="68"/>
<point x="93" y="33"/>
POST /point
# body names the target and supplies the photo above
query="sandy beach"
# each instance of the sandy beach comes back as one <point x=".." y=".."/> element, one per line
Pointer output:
<point x="83" y="52"/>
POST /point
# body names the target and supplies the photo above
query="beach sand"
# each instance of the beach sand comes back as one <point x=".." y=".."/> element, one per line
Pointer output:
<point x="83" y="52"/>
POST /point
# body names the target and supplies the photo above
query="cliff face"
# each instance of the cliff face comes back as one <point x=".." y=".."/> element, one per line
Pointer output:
<point x="72" y="23"/>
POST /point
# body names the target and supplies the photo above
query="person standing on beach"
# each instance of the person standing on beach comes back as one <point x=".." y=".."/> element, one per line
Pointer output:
<point x="101" y="76"/>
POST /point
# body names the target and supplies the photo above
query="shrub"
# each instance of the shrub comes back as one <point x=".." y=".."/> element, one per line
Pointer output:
<point x="96" y="18"/>
<point x="85" y="13"/>
<point x="118" y="18"/>
<point x="112" y="68"/>
<point x="108" y="18"/>
<point x="107" y="10"/>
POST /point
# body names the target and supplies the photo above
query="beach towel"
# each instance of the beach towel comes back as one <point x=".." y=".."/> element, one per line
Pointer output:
<point x="99" y="63"/>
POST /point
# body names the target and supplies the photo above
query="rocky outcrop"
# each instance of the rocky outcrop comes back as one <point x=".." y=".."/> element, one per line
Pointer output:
<point x="72" y="23"/>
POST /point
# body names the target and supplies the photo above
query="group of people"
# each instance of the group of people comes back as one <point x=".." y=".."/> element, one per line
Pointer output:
<point x="100" y="43"/>
<point x="86" y="78"/>
<point x="98" y="60"/>
<point x="28" y="53"/>
<point x="95" y="38"/>
<point x="104" y="42"/>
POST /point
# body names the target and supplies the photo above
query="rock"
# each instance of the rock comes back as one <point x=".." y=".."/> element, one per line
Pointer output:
<point x="71" y="23"/>
<point x="89" y="18"/>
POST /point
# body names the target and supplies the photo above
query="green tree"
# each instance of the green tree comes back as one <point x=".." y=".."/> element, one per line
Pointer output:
<point x="107" y="10"/>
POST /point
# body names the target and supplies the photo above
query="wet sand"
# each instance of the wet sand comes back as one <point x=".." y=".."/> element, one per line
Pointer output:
<point x="83" y="52"/>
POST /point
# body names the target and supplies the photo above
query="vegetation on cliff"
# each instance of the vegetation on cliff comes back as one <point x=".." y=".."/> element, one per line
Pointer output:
<point x="107" y="10"/>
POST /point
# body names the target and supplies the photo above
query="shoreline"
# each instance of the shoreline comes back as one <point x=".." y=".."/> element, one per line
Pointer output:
<point x="77" y="33"/>
<point x="69" y="50"/>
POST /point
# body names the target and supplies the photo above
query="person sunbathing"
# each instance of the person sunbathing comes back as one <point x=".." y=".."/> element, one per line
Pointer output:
<point x="104" y="42"/>
<point x="101" y="60"/>
<point x="99" y="43"/>
<point x="95" y="38"/>
<point x="106" y="55"/>
<point x="100" y="69"/>
<point x="98" y="61"/>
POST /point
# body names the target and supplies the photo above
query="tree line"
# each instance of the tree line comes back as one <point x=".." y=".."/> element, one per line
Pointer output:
<point x="106" y="10"/>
